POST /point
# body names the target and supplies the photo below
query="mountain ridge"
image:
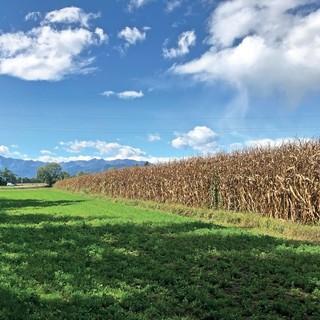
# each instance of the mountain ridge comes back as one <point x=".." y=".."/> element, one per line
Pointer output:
<point x="28" y="168"/>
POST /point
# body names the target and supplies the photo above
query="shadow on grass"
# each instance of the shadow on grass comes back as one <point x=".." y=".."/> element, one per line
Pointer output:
<point x="11" y="204"/>
<point x="76" y="269"/>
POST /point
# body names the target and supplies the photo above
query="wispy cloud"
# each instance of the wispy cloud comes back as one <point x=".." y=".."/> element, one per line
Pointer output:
<point x="48" y="52"/>
<point x="172" y="5"/>
<point x="46" y="152"/>
<point x="133" y="4"/>
<point x="266" y="143"/>
<point x="272" y="46"/>
<point x="153" y="137"/>
<point x="33" y="16"/>
<point x="186" y="40"/>
<point x="126" y="95"/>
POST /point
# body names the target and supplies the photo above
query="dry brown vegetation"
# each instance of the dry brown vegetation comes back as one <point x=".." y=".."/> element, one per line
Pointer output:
<point x="282" y="182"/>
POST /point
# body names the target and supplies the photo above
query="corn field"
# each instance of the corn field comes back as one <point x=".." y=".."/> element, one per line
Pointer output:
<point x="281" y="182"/>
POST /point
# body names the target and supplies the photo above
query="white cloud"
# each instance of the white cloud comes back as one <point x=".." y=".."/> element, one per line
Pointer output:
<point x="133" y="35"/>
<point x="4" y="151"/>
<point x="104" y="148"/>
<point x="45" y="152"/>
<point x="59" y="159"/>
<point x="185" y="41"/>
<point x="102" y="36"/>
<point x="152" y="137"/>
<point x="173" y="4"/>
<point x="126" y="95"/>
<point x="201" y="138"/>
<point x="266" y="143"/>
<point x="137" y="3"/>
<point x="70" y="15"/>
<point x="34" y="16"/>
<point x="265" y="45"/>
<point x="17" y="154"/>
<point x="129" y="95"/>
<point x="108" y="93"/>
<point x="77" y="146"/>
<point x="48" y="53"/>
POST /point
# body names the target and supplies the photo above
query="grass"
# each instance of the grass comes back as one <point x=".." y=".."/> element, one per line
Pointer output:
<point x="246" y="220"/>
<point x="66" y="256"/>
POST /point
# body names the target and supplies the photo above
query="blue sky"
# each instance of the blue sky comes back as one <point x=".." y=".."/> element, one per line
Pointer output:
<point x="156" y="79"/>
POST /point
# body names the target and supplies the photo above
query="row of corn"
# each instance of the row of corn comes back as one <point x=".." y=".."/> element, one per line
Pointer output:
<point x="281" y="182"/>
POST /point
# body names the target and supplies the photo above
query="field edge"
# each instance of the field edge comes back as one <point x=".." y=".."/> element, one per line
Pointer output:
<point x="255" y="222"/>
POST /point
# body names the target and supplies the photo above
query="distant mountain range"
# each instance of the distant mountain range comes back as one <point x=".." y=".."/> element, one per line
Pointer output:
<point x="28" y="168"/>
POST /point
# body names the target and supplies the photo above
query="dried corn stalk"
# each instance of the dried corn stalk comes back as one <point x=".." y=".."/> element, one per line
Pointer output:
<point x="282" y="182"/>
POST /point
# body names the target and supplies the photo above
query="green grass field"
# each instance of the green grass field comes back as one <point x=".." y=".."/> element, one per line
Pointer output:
<point x="66" y="256"/>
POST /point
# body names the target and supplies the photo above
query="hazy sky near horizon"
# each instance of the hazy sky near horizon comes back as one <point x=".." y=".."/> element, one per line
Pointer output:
<point x="156" y="79"/>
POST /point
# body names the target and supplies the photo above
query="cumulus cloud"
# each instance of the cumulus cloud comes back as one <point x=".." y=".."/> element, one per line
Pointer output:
<point x="201" y="138"/>
<point x="104" y="148"/>
<point x="126" y="95"/>
<point x="70" y="15"/>
<point x="268" y="45"/>
<point x="102" y="36"/>
<point x="77" y="146"/>
<point x="153" y="137"/>
<point x="50" y="53"/>
<point x="4" y="151"/>
<point x="185" y="41"/>
<point x="131" y="36"/>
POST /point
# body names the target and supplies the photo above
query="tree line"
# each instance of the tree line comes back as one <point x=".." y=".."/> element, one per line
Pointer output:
<point x="49" y="174"/>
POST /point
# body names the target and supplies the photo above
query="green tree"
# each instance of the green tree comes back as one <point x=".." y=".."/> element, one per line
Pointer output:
<point x="64" y="175"/>
<point x="2" y="182"/>
<point x="7" y="176"/>
<point x="49" y="173"/>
